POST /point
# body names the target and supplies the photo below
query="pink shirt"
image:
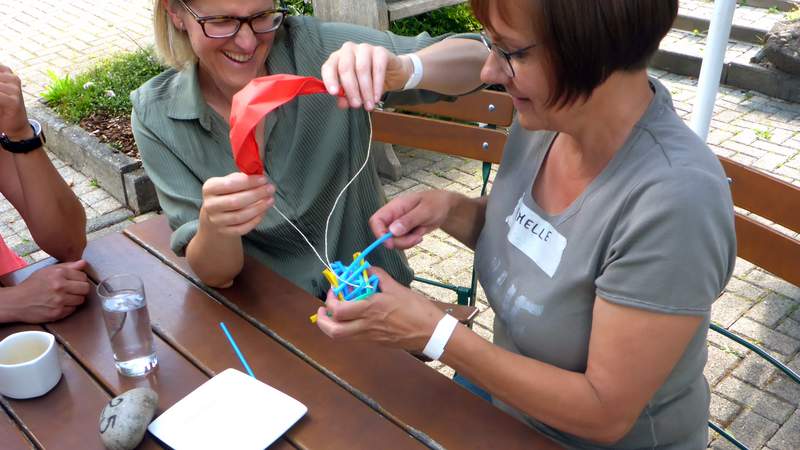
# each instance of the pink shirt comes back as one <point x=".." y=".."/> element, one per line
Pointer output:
<point x="9" y="261"/>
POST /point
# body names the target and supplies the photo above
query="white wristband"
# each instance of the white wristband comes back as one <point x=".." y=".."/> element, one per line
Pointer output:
<point x="441" y="334"/>
<point x="416" y="74"/>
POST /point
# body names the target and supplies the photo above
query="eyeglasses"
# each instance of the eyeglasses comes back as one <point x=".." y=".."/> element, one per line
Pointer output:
<point x="503" y="55"/>
<point x="218" y="27"/>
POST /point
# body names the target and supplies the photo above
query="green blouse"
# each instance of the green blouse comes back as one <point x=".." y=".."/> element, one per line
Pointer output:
<point x="312" y="150"/>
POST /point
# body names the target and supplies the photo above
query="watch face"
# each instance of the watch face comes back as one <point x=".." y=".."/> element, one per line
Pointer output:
<point x="37" y="127"/>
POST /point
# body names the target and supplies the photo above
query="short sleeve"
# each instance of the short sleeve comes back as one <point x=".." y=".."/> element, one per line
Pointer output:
<point x="673" y="247"/>
<point x="179" y="191"/>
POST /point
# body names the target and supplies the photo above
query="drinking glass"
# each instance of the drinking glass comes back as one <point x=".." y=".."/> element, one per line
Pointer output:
<point x="128" y="324"/>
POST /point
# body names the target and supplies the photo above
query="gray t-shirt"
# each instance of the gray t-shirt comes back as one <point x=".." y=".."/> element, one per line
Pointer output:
<point x="653" y="231"/>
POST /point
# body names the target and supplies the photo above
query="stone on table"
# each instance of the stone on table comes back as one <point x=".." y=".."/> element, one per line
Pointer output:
<point x="124" y="419"/>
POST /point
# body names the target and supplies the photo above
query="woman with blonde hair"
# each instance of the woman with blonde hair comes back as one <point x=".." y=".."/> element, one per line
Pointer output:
<point x="606" y="237"/>
<point x="310" y="148"/>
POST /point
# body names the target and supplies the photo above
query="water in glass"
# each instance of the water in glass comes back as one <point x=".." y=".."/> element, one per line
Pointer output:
<point x="128" y="325"/>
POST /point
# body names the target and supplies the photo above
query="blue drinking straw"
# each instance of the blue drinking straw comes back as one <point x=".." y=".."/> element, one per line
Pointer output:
<point x="236" y="349"/>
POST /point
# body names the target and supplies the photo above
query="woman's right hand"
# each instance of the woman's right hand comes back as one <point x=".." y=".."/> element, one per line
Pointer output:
<point x="364" y="72"/>
<point x="410" y="217"/>
<point x="234" y="204"/>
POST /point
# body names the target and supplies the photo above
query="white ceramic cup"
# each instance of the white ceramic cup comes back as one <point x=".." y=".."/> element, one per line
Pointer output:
<point x="29" y="364"/>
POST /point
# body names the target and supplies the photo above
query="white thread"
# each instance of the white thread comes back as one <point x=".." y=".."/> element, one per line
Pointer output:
<point x="327" y="264"/>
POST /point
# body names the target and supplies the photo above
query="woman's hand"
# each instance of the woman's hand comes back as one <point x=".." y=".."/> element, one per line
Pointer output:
<point x="410" y="217"/>
<point x="234" y="204"/>
<point x="396" y="316"/>
<point x="365" y="72"/>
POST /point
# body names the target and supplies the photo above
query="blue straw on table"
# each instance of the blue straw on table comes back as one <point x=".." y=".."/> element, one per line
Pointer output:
<point x="236" y="349"/>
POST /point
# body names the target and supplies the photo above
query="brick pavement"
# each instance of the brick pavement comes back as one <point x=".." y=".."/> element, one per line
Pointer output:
<point x="757" y="404"/>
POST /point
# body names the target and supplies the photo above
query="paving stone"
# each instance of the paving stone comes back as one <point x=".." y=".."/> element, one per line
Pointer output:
<point x="422" y="263"/>
<point x="434" y="180"/>
<point x="771" y="310"/>
<point x="486" y="318"/>
<point x="769" y="281"/>
<point x="744" y="289"/>
<point x="722" y="410"/>
<point x="790" y="327"/>
<point x="437" y="247"/>
<point x="752" y="429"/>
<point x="788" y="436"/>
<point x="766" y="405"/>
<point x="755" y="370"/>
<point x="720" y="363"/>
<point x="785" y="388"/>
<point x="729" y="308"/>
<point x="742" y="267"/>
<point x="766" y="337"/>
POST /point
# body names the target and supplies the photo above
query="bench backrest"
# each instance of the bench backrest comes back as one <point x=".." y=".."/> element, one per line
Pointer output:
<point x="776" y="201"/>
<point x="465" y="127"/>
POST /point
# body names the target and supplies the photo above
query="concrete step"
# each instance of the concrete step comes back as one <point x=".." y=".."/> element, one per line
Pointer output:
<point x="681" y="52"/>
<point x="750" y="23"/>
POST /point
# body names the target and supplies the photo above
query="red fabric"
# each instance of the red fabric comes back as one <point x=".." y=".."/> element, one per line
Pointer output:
<point x="9" y="261"/>
<point x="256" y="100"/>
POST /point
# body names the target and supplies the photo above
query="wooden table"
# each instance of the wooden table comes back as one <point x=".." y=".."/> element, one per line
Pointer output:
<point x="358" y="395"/>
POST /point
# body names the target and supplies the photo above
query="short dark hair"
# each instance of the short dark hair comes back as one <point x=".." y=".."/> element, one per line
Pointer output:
<point x="585" y="41"/>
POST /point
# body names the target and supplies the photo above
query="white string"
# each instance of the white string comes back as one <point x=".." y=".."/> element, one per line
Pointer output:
<point x="326" y="262"/>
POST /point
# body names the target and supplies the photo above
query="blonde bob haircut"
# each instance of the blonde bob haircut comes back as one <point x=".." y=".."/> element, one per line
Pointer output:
<point x="172" y="45"/>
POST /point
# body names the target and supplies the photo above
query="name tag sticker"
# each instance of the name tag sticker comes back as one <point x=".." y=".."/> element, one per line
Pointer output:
<point x="536" y="238"/>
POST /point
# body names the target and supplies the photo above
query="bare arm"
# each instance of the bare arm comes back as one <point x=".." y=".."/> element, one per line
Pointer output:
<point x="631" y="353"/>
<point x="232" y="206"/>
<point x="51" y="210"/>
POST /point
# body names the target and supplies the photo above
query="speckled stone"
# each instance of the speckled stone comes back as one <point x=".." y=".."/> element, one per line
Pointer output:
<point x="125" y="418"/>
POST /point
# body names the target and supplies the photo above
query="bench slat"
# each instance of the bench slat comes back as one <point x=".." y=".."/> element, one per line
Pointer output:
<point x="472" y="108"/>
<point x="768" y="249"/>
<point x="439" y="136"/>
<point x="764" y="195"/>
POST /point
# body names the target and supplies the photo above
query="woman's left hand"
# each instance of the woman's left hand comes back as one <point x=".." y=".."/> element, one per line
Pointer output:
<point x="395" y="317"/>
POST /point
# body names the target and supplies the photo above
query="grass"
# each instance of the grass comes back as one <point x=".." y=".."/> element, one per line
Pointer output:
<point x="764" y="134"/>
<point x="105" y="87"/>
<point x="94" y="183"/>
<point x="793" y="15"/>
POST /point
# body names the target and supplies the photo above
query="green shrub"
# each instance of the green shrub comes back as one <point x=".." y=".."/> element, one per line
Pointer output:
<point x="450" y="19"/>
<point x="299" y="7"/>
<point x="105" y="87"/>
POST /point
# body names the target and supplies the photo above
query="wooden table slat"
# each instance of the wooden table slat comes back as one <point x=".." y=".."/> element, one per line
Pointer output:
<point x="403" y="387"/>
<point x="11" y="436"/>
<point x="189" y="320"/>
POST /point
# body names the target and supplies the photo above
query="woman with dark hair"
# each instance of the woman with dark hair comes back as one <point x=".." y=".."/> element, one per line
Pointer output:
<point x="607" y="235"/>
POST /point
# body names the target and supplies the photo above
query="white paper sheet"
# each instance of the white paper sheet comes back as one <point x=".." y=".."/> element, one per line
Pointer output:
<point x="231" y="410"/>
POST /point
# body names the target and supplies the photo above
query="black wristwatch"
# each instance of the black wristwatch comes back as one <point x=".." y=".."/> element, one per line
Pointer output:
<point x="25" y="145"/>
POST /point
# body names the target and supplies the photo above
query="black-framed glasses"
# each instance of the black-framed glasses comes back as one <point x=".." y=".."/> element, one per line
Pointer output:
<point x="503" y="55"/>
<point x="218" y="27"/>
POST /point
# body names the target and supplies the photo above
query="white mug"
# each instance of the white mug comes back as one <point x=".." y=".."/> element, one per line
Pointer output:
<point x="29" y="364"/>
